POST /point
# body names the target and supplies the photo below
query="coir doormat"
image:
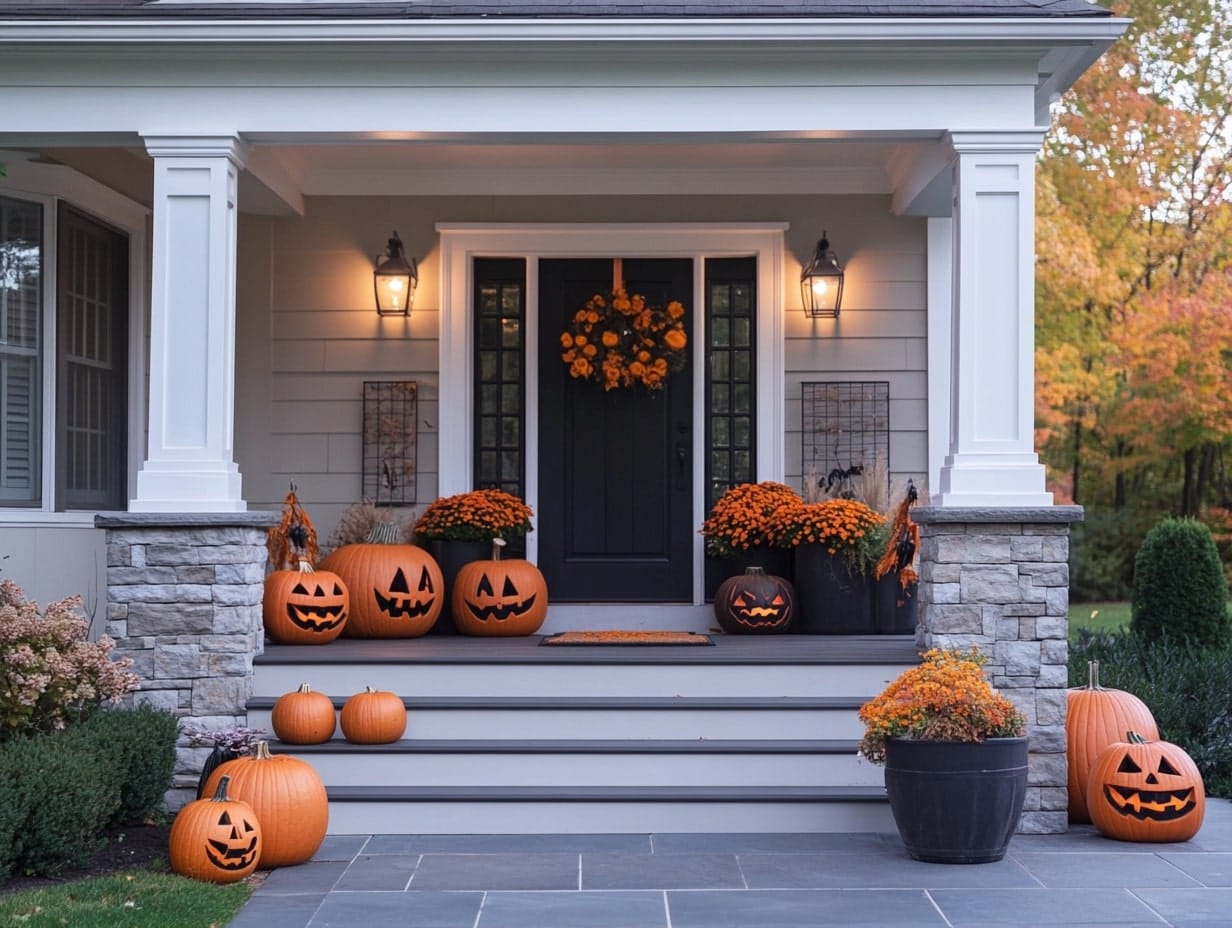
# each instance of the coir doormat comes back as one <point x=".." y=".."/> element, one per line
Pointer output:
<point x="620" y="636"/>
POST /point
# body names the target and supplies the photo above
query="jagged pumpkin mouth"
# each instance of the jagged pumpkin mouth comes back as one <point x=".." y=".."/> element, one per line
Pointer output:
<point x="499" y="612"/>
<point x="305" y="612"/>
<point x="1156" y="805"/>
<point x="225" y="855"/>
<point x="399" y="603"/>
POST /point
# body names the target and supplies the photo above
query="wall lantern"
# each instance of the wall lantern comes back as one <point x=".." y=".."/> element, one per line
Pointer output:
<point x="821" y="283"/>
<point x="394" y="280"/>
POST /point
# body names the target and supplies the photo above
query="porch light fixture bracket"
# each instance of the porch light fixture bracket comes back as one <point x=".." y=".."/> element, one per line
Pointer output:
<point x="394" y="280"/>
<point x="821" y="283"/>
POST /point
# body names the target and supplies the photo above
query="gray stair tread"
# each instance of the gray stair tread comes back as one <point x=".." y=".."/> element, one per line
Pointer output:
<point x="727" y="649"/>
<point x="564" y="703"/>
<point x="576" y="746"/>
<point x="792" y="794"/>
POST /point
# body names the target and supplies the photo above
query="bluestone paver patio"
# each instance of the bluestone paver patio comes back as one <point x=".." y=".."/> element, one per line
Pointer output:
<point x="1075" y="880"/>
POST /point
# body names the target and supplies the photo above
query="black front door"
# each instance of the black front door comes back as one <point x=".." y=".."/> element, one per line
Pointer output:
<point x="615" y="520"/>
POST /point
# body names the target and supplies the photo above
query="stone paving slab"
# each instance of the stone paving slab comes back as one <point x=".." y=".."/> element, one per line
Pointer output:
<point x="796" y="909"/>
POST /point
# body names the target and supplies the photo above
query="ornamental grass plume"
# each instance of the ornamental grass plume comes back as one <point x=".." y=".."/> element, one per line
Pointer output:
<point x="945" y="698"/>
<point x="747" y="516"/>
<point x="480" y="515"/>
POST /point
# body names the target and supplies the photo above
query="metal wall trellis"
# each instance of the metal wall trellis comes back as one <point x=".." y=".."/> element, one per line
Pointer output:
<point x="389" y="469"/>
<point x="846" y="426"/>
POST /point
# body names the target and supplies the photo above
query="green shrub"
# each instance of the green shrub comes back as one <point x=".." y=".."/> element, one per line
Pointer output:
<point x="14" y="809"/>
<point x="1188" y="690"/>
<point x="139" y="745"/>
<point x="1179" y="587"/>
<point x="1101" y="554"/>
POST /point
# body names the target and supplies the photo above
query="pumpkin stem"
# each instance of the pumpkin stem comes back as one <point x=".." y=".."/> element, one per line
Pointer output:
<point x="497" y="545"/>
<point x="262" y="751"/>
<point x="1093" y="675"/>
<point x="385" y="533"/>
<point x="1134" y="738"/>
<point x="305" y="688"/>
<point x="754" y="571"/>
<point x="305" y="567"/>
<point x="220" y="791"/>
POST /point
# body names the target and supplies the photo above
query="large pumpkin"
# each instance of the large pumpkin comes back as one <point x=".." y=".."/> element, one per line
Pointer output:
<point x="499" y="597"/>
<point x="303" y="716"/>
<point x="373" y="717"/>
<point x="217" y="839"/>
<point x="305" y="606"/>
<point x="755" y="603"/>
<point x="1142" y="790"/>
<point x="397" y="590"/>
<point x="288" y="798"/>
<point x="1095" y="718"/>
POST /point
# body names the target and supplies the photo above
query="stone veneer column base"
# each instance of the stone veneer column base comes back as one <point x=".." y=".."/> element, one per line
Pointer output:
<point x="998" y="580"/>
<point x="184" y="602"/>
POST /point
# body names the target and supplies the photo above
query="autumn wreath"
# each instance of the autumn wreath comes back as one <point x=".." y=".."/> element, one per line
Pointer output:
<point x="618" y="340"/>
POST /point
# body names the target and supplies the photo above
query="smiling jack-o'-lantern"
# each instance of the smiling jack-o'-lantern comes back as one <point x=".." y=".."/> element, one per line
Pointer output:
<point x="217" y="840"/>
<point x="499" y="597"/>
<point x="1143" y="790"/>
<point x="305" y="606"/>
<point x="755" y="603"/>
<point x="397" y="590"/>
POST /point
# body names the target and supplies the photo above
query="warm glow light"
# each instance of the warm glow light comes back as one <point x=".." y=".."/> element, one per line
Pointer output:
<point x="820" y="286"/>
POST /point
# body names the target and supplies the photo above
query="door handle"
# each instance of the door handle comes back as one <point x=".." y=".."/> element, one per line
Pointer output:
<point x="682" y="464"/>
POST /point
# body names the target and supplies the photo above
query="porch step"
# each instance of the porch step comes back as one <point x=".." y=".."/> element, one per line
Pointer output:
<point x="508" y="736"/>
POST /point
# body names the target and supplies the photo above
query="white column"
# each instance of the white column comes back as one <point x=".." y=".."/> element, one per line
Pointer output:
<point x="991" y="460"/>
<point x="190" y="462"/>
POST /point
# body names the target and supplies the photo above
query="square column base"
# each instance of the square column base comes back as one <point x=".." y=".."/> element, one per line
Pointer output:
<point x="194" y="486"/>
<point x="992" y="480"/>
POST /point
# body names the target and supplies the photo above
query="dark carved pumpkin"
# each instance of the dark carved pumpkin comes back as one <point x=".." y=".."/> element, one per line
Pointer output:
<point x="397" y="590"/>
<point x="755" y="603"/>
<point x="217" y="840"/>
<point x="305" y="606"/>
<point x="499" y="597"/>
<point x="1143" y="790"/>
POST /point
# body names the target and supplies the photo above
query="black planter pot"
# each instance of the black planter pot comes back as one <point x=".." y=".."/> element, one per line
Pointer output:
<point x="833" y="599"/>
<point x="895" y="606"/>
<point x="452" y="556"/>
<point x="216" y="759"/>
<point x="956" y="802"/>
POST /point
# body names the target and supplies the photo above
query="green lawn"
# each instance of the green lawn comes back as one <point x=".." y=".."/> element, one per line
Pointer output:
<point x="1098" y="617"/>
<point x="136" y="899"/>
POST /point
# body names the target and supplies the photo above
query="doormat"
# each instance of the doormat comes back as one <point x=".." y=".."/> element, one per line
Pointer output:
<point x="619" y="636"/>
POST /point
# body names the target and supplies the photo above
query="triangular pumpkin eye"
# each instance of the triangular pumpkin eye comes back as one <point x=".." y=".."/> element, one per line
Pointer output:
<point x="740" y="602"/>
<point x="337" y="590"/>
<point x="485" y="586"/>
<point x="399" y="583"/>
<point x="509" y="589"/>
<point x="300" y="589"/>
<point x="425" y="581"/>
<point x="224" y="819"/>
<point x="778" y="600"/>
<point x="319" y="591"/>
<point x="1128" y="765"/>
<point x="1165" y="767"/>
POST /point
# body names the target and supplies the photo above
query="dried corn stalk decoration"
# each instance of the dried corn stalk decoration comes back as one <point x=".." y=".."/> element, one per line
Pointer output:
<point x="294" y="539"/>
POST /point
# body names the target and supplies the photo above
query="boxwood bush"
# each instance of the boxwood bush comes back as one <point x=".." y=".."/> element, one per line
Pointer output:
<point x="1179" y="587"/>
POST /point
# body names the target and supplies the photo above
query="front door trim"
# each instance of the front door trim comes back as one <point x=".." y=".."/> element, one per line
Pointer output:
<point x="461" y="242"/>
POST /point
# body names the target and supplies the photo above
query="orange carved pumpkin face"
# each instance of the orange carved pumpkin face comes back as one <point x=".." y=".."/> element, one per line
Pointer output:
<point x="1143" y="790"/>
<point x="401" y="602"/>
<point x="485" y="605"/>
<point x="315" y="606"/>
<point x="1159" y="793"/>
<point x="233" y="844"/>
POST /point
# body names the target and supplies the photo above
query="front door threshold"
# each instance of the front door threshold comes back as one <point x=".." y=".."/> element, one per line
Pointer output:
<point x="685" y="617"/>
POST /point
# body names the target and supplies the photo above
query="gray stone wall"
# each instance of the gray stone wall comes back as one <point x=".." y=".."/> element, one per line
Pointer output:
<point x="998" y="580"/>
<point x="184" y="602"/>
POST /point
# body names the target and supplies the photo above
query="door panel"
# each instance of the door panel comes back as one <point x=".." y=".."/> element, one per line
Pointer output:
<point x="615" y="467"/>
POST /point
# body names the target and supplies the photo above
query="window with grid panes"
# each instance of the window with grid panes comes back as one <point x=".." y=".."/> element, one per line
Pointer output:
<point x="500" y="357"/>
<point x="730" y="375"/>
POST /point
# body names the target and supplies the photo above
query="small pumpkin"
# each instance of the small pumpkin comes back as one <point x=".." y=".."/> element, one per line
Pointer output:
<point x="1095" y="718"/>
<point x="304" y="606"/>
<point x="373" y="717"/>
<point x="499" y="597"/>
<point x="397" y="590"/>
<point x="288" y="799"/>
<point x="217" y="840"/>
<point x="1142" y="790"/>
<point x="755" y="603"/>
<point x="303" y="716"/>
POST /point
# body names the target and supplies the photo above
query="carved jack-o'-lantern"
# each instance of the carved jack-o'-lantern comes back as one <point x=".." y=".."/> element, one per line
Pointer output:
<point x="499" y="597"/>
<point x="1143" y="790"/>
<point x="755" y="603"/>
<point x="216" y="839"/>
<point x="305" y="606"/>
<point x="397" y="590"/>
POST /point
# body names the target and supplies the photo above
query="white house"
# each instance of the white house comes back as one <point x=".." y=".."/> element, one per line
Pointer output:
<point x="194" y="194"/>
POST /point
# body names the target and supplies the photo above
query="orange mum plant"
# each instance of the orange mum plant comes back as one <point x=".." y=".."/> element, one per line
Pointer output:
<point x="845" y="526"/>
<point x="621" y="341"/>
<point x="480" y="515"/>
<point x="945" y="698"/>
<point x="746" y="516"/>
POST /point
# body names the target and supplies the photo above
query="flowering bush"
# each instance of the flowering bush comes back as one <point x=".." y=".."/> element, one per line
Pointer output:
<point x="746" y="516"/>
<point x="239" y="741"/>
<point x="845" y="526"/>
<point x="50" y="672"/>
<point x="620" y="341"/>
<point x="479" y="515"/>
<point x="946" y="698"/>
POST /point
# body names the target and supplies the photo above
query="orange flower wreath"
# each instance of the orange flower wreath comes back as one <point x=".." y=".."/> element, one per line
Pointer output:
<point x="619" y="341"/>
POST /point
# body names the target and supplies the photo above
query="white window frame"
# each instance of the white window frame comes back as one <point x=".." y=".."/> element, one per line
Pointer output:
<point x="48" y="185"/>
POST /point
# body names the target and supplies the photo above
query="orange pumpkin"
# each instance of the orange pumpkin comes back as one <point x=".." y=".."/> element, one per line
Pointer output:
<point x="397" y="590"/>
<point x="1095" y="718"/>
<point x="304" y="606"/>
<point x="303" y="716"/>
<point x="373" y="717"/>
<point x="288" y="798"/>
<point x="499" y="597"/>
<point x="755" y="603"/>
<point x="1143" y="790"/>
<point x="217" y="839"/>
